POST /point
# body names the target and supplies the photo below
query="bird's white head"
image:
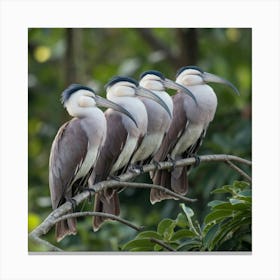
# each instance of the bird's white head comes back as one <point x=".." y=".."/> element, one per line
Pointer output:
<point x="190" y="76"/>
<point x="121" y="87"/>
<point x="152" y="80"/>
<point x="127" y="87"/>
<point x="77" y="99"/>
<point x="80" y="101"/>
<point x="156" y="81"/>
<point x="193" y="75"/>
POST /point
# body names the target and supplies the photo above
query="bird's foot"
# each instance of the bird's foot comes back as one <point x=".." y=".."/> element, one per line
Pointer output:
<point x="113" y="177"/>
<point x="197" y="160"/>
<point x="73" y="203"/>
<point x="91" y="192"/>
<point x="156" y="164"/>
<point x="173" y="162"/>
<point x="137" y="169"/>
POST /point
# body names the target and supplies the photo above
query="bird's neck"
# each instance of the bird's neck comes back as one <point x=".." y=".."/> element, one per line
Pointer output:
<point x="135" y="107"/>
<point x="166" y="98"/>
<point x="94" y="124"/>
<point x="93" y="113"/>
<point x="77" y="111"/>
<point x="207" y="103"/>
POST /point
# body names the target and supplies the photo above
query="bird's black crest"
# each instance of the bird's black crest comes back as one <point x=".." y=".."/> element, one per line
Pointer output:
<point x="71" y="89"/>
<point x="152" y="72"/>
<point x="188" y="67"/>
<point x="117" y="79"/>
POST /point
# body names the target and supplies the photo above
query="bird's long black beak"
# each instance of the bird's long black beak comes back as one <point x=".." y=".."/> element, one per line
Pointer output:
<point x="173" y="85"/>
<point x="208" y="77"/>
<point x="103" y="102"/>
<point x="151" y="95"/>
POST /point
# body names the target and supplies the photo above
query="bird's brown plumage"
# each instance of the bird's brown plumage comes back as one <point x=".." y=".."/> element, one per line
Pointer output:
<point x="176" y="179"/>
<point x="68" y="152"/>
<point x="107" y="201"/>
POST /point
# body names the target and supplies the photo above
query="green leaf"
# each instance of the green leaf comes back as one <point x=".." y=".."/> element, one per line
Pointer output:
<point x="247" y="200"/>
<point x="187" y="210"/>
<point x="166" y="228"/>
<point x="189" y="213"/>
<point x="224" y="189"/>
<point x="229" y="206"/>
<point x="240" y="184"/>
<point x="190" y="245"/>
<point x="146" y="234"/>
<point x="182" y="233"/>
<point x="214" y="203"/>
<point x="235" y="201"/>
<point x="141" y="244"/>
<point x="141" y="249"/>
<point x="157" y="247"/>
<point x="230" y="227"/>
<point x="217" y="215"/>
<point x="181" y="221"/>
<point x="245" y="193"/>
<point x="210" y="233"/>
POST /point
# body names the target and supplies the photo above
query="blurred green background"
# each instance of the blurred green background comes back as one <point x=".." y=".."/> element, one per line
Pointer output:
<point x="58" y="57"/>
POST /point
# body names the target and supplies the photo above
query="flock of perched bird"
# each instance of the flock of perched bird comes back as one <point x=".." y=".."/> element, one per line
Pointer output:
<point x="142" y="124"/>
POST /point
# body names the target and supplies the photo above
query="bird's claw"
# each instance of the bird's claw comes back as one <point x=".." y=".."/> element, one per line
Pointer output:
<point x="197" y="160"/>
<point x="91" y="191"/>
<point x="137" y="169"/>
<point x="113" y="177"/>
<point x="73" y="203"/>
<point x="156" y="164"/>
<point x="173" y="162"/>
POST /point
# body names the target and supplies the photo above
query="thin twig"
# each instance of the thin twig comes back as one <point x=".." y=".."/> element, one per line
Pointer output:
<point x="46" y="243"/>
<point x="106" y="215"/>
<point x="162" y="244"/>
<point x="151" y="186"/>
<point x="239" y="170"/>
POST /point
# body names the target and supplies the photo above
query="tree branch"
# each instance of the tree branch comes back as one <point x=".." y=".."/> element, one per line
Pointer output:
<point x="117" y="184"/>
<point x="162" y="244"/>
<point x="239" y="170"/>
<point x="44" y="242"/>
<point x="106" y="215"/>
<point x="56" y="214"/>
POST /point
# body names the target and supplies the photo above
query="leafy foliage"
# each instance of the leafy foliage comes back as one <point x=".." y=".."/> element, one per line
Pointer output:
<point x="226" y="227"/>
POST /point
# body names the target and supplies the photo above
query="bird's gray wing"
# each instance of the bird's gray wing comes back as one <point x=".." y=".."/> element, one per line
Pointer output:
<point x="192" y="150"/>
<point x="115" y="141"/>
<point x="176" y="129"/>
<point x="107" y="200"/>
<point x="68" y="152"/>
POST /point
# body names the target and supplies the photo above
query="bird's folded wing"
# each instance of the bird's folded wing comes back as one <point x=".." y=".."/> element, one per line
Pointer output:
<point x="115" y="141"/>
<point x="176" y="129"/>
<point x="68" y="152"/>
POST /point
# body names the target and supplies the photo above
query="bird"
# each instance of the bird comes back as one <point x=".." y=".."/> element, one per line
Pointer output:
<point x="76" y="147"/>
<point x="158" y="117"/>
<point x="188" y="128"/>
<point x="123" y="138"/>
